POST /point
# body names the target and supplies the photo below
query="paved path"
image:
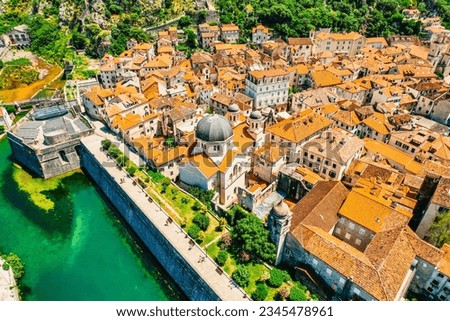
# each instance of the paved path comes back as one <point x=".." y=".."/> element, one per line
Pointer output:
<point x="221" y="284"/>
<point x="8" y="289"/>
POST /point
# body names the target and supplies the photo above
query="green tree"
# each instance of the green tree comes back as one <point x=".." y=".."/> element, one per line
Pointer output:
<point x="222" y="257"/>
<point x="439" y="232"/>
<point x="131" y="170"/>
<point x="1" y="64"/>
<point x="191" y="39"/>
<point x="298" y="293"/>
<point x="249" y="235"/>
<point x="202" y="221"/>
<point x="106" y="143"/>
<point x="194" y="231"/>
<point x="260" y="292"/>
<point x="276" y="278"/>
<point x="185" y="21"/>
<point x="2" y="129"/>
<point x="16" y="264"/>
<point x="241" y="276"/>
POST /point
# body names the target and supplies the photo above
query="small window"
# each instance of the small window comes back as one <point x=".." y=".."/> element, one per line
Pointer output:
<point x="362" y="231"/>
<point x="314" y="262"/>
<point x="338" y="230"/>
<point x="348" y="236"/>
<point x="356" y="291"/>
<point x="351" y="225"/>
<point x="329" y="271"/>
<point x="341" y="281"/>
<point x="358" y="241"/>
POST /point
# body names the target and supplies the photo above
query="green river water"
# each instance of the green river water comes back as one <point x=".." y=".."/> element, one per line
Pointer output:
<point x="79" y="250"/>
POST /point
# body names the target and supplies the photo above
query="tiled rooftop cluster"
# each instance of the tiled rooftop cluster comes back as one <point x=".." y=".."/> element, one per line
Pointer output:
<point x="350" y="131"/>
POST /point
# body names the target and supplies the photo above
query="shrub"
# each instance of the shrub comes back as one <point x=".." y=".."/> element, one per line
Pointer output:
<point x="222" y="257"/>
<point x="241" y="276"/>
<point x="122" y="160"/>
<point x="106" y="143"/>
<point x="147" y="179"/>
<point x="196" y="206"/>
<point x="114" y="152"/>
<point x="13" y="261"/>
<point x="222" y="223"/>
<point x="131" y="170"/>
<point x="2" y="129"/>
<point x="284" y="292"/>
<point x="202" y="221"/>
<point x="194" y="231"/>
<point x="297" y="294"/>
<point x="276" y="278"/>
<point x="260" y="292"/>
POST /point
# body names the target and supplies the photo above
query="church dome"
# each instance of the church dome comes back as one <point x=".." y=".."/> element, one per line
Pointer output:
<point x="213" y="128"/>
<point x="233" y="108"/>
<point x="256" y="114"/>
<point x="281" y="209"/>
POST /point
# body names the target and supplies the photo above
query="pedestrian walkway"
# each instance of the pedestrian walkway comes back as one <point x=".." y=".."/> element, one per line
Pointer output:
<point x="206" y="268"/>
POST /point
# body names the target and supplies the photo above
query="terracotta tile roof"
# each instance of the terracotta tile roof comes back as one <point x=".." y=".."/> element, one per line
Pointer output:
<point x="382" y="268"/>
<point x="260" y="27"/>
<point x="300" y="127"/>
<point x="203" y="163"/>
<point x="392" y="153"/>
<point x="324" y="78"/>
<point x="338" y="36"/>
<point x="269" y="152"/>
<point x="319" y="207"/>
<point x="201" y="57"/>
<point x="378" y="123"/>
<point x="152" y="149"/>
<point x="347" y="117"/>
<point x="229" y="27"/>
<point x="241" y="138"/>
<point x="308" y="175"/>
<point x="377" y="40"/>
<point x="223" y="99"/>
<point x="299" y="41"/>
<point x="444" y="263"/>
<point x="258" y="74"/>
<point x="441" y="195"/>
<point x="372" y="212"/>
<point x="344" y="258"/>
<point x="178" y="113"/>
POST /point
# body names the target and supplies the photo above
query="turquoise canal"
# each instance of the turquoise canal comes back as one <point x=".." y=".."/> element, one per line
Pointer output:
<point x="76" y="249"/>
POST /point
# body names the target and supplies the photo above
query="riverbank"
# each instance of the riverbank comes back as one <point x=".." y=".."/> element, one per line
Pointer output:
<point x="8" y="286"/>
<point x="89" y="254"/>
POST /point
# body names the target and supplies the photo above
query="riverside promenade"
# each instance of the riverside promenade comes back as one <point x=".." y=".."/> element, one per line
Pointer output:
<point x="195" y="256"/>
<point x="8" y="289"/>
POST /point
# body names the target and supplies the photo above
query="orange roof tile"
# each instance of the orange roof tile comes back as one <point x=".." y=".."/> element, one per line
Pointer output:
<point x="299" y="128"/>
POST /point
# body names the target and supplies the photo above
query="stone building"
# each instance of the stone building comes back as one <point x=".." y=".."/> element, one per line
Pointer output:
<point x="268" y="88"/>
<point x="17" y="37"/>
<point x="214" y="162"/>
<point x="260" y="34"/>
<point x="389" y="260"/>
<point x="48" y="144"/>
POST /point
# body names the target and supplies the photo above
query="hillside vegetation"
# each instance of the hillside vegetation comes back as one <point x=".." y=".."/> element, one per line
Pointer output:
<point x="295" y="18"/>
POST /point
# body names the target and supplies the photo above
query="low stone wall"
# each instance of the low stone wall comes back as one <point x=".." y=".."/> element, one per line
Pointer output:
<point x="175" y="264"/>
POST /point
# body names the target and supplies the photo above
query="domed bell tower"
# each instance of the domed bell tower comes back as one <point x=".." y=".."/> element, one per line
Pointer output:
<point x="279" y="224"/>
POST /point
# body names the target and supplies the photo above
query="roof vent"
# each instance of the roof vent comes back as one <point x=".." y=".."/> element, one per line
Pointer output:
<point x="377" y="219"/>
